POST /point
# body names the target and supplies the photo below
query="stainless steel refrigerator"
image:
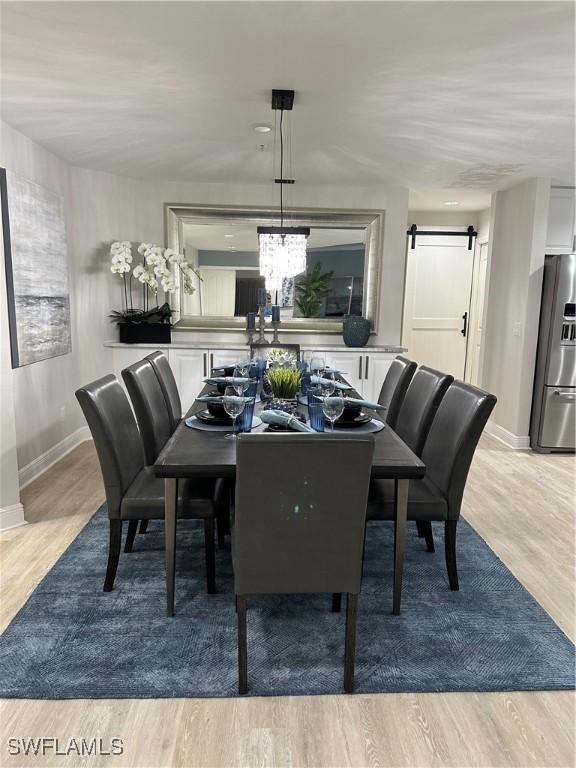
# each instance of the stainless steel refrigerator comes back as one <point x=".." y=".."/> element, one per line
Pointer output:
<point x="553" y="421"/>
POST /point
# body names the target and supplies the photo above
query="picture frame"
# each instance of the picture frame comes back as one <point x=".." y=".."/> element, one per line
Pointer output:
<point x="36" y="266"/>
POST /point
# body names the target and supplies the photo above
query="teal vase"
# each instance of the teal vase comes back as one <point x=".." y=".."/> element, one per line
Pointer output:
<point x="355" y="331"/>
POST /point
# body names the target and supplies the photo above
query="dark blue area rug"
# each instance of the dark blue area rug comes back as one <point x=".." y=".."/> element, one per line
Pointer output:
<point x="71" y="640"/>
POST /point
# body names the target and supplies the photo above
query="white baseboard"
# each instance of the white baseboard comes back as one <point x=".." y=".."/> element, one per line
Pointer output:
<point x="38" y="466"/>
<point x="517" y="442"/>
<point x="11" y="517"/>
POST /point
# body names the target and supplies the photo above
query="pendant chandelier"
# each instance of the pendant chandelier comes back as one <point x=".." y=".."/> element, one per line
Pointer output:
<point x="282" y="249"/>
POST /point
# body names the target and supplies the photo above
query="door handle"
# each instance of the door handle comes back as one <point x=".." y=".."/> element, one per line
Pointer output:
<point x="205" y="355"/>
<point x="366" y="369"/>
<point x="211" y="362"/>
<point x="569" y="395"/>
<point x="465" y="326"/>
<point x="360" y="368"/>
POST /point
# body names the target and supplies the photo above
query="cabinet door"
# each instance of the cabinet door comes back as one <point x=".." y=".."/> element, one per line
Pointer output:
<point x="227" y="357"/>
<point x="375" y="369"/>
<point x="561" y="221"/>
<point x="190" y="366"/>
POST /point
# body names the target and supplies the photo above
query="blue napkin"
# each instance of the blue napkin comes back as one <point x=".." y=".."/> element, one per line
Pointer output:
<point x="365" y="403"/>
<point x="336" y="371"/>
<point x="282" y="419"/>
<point x="338" y="384"/>
<point x="231" y="380"/>
<point x="220" y="399"/>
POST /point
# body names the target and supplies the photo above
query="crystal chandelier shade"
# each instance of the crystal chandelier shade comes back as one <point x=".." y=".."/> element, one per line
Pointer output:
<point x="281" y="256"/>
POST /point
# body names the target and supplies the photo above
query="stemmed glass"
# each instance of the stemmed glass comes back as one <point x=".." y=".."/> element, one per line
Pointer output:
<point x="328" y="386"/>
<point x="233" y="405"/>
<point x="333" y="408"/>
<point x="241" y="372"/>
<point x="317" y="365"/>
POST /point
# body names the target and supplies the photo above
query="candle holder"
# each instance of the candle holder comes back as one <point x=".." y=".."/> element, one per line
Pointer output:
<point x="262" y="326"/>
<point x="275" y="326"/>
<point x="250" y="333"/>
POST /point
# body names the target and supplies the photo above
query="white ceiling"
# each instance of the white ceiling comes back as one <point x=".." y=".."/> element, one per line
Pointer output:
<point x="212" y="237"/>
<point x="426" y="94"/>
<point x="434" y="199"/>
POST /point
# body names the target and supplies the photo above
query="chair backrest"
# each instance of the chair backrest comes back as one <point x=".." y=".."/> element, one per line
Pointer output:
<point x="169" y="387"/>
<point x="116" y="436"/>
<point x="394" y="387"/>
<point x="300" y="512"/>
<point x="149" y="406"/>
<point x="452" y="440"/>
<point x="419" y="407"/>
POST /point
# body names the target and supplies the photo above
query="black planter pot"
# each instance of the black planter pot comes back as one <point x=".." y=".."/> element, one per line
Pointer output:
<point x="146" y="333"/>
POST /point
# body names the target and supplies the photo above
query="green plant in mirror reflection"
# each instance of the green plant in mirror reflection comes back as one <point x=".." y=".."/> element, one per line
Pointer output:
<point x="310" y="289"/>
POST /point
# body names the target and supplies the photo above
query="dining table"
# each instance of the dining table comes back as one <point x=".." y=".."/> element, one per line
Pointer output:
<point x="190" y="453"/>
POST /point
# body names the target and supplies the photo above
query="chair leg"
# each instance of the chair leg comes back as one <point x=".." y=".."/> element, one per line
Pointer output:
<point x="336" y="602"/>
<point x="113" y="554"/>
<point x="143" y="526"/>
<point x="242" y="645"/>
<point x="450" y="550"/>
<point x="428" y="535"/>
<point x="221" y="529"/>
<point x="210" y="556"/>
<point x="131" y="535"/>
<point x="420" y="529"/>
<point x="350" y="642"/>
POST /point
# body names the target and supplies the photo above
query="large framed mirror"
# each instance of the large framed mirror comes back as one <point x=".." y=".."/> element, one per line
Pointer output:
<point x="342" y="266"/>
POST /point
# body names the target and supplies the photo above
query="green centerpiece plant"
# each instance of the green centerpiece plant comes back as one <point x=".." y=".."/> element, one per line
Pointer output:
<point x="285" y="383"/>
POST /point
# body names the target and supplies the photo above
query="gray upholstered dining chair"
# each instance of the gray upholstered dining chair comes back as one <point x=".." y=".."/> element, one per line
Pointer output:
<point x="155" y="424"/>
<point x="424" y="395"/>
<point x="161" y="366"/>
<point x="447" y="453"/>
<point x="299" y="525"/>
<point x="133" y="492"/>
<point x="395" y="386"/>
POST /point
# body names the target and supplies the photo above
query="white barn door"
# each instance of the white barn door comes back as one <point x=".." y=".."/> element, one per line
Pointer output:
<point x="437" y="302"/>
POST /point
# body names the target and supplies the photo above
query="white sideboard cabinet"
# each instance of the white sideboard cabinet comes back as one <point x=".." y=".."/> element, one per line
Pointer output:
<point x="364" y="368"/>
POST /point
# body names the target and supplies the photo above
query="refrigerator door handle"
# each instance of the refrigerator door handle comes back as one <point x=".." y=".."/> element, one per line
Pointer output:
<point x="560" y="393"/>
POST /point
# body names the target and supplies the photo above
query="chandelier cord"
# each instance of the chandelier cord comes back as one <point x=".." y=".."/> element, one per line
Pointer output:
<point x="281" y="170"/>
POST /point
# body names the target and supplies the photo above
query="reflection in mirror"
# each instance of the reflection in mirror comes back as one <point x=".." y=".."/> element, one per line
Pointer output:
<point x="226" y="256"/>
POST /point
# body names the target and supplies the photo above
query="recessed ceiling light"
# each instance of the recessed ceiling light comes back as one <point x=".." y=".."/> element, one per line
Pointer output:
<point x="263" y="128"/>
<point x="451" y="203"/>
<point x="228" y="235"/>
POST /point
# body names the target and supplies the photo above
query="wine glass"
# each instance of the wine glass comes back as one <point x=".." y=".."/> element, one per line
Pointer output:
<point x="233" y="405"/>
<point x="240" y="372"/>
<point x="333" y="408"/>
<point x="317" y="365"/>
<point x="328" y="384"/>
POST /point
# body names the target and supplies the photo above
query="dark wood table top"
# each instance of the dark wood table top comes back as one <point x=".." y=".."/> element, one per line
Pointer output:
<point x="191" y="452"/>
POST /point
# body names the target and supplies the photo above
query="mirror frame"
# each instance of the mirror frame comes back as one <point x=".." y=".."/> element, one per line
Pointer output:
<point x="176" y="214"/>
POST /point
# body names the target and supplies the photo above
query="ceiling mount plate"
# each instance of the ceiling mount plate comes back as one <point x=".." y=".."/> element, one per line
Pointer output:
<point x="282" y="100"/>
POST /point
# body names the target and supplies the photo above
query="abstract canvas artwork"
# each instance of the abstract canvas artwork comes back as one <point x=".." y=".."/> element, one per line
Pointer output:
<point x="36" y="270"/>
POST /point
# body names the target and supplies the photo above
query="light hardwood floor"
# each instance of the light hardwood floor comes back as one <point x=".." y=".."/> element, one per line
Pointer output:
<point x="521" y="503"/>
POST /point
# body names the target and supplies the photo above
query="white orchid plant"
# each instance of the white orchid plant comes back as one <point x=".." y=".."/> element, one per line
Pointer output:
<point x="155" y="270"/>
